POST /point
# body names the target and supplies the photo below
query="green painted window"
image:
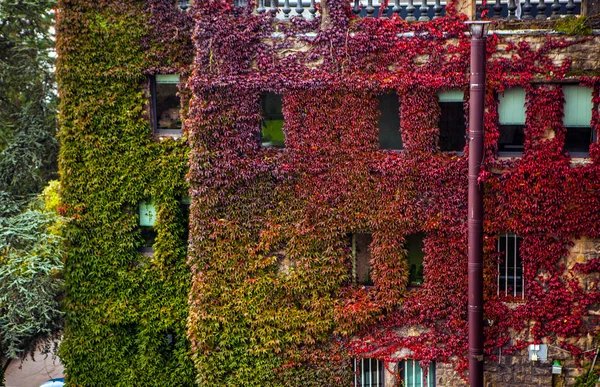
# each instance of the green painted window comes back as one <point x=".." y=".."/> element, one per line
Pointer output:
<point x="452" y="121"/>
<point x="147" y="214"/>
<point x="389" y="122"/>
<point x="271" y="128"/>
<point x="415" y="254"/>
<point x="511" y="112"/>
<point x="413" y="375"/>
<point x="577" y="117"/>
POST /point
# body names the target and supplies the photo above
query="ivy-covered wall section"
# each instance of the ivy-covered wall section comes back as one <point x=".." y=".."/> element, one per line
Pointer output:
<point x="266" y="297"/>
<point x="271" y="268"/>
<point x="126" y="312"/>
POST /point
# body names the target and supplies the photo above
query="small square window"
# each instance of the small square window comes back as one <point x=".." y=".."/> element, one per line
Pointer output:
<point x="166" y="105"/>
<point x="413" y="376"/>
<point x="577" y="120"/>
<point x="511" y="112"/>
<point x="389" y="122"/>
<point x="271" y="128"/>
<point x="415" y="254"/>
<point x="510" y="267"/>
<point x="452" y="121"/>
<point x="147" y="213"/>
<point x="361" y="259"/>
<point x="368" y="373"/>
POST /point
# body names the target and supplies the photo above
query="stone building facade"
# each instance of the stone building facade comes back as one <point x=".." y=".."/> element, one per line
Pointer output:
<point x="218" y="237"/>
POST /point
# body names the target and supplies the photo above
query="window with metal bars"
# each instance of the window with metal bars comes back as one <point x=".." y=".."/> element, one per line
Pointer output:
<point x="368" y="373"/>
<point x="413" y="376"/>
<point x="511" y="281"/>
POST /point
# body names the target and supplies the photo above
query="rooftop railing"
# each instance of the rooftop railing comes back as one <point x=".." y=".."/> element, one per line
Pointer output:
<point x="419" y="10"/>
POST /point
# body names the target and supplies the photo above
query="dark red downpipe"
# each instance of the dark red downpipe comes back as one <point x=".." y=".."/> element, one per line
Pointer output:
<point x="475" y="203"/>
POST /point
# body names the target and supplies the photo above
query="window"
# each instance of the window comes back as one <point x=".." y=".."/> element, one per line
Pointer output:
<point x="271" y="128"/>
<point x="452" y="121"/>
<point x="415" y="254"/>
<point x="361" y="257"/>
<point x="510" y="268"/>
<point x="166" y="104"/>
<point x="368" y="373"/>
<point x="413" y="376"/>
<point x="511" y="111"/>
<point x="147" y="213"/>
<point x="578" y="114"/>
<point x="389" y="122"/>
<point x="185" y="212"/>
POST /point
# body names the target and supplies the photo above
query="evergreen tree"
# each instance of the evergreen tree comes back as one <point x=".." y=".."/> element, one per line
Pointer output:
<point x="28" y="101"/>
<point x="30" y="283"/>
<point x="30" y="255"/>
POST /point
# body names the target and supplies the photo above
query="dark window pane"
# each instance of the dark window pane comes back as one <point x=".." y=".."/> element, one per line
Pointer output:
<point x="272" y="124"/>
<point x="148" y="236"/>
<point x="512" y="138"/>
<point x="415" y="254"/>
<point x="362" y="257"/>
<point x="185" y="215"/>
<point x="389" y="122"/>
<point x="452" y="126"/>
<point x="578" y="139"/>
<point x="167" y="106"/>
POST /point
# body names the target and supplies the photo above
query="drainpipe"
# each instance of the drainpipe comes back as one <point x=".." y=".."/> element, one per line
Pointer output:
<point x="475" y="202"/>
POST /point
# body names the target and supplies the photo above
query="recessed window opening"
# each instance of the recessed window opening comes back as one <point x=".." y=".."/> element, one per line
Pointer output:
<point x="361" y="258"/>
<point x="166" y="104"/>
<point x="368" y="373"/>
<point x="511" y="112"/>
<point x="577" y="120"/>
<point x="413" y="376"/>
<point x="185" y="214"/>
<point x="511" y="281"/>
<point x="147" y="214"/>
<point x="271" y="128"/>
<point x="389" y="122"/>
<point x="414" y="252"/>
<point x="452" y="121"/>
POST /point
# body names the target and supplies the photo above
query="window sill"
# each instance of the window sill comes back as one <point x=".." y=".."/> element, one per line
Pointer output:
<point x="175" y="134"/>
<point x="510" y="155"/>
<point x="579" y="155"/>
<point x="512" y="301"/>
<point x="413" y="287"/>
<point x="147" y="251"/>
<point x="270" y="145"/>
<point x="453" y="153"/>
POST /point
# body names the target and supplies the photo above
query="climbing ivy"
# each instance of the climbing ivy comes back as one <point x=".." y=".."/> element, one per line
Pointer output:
<point x="267" y="292"/>
<point x="271" y="270"/>
<point x="125" y="312"/>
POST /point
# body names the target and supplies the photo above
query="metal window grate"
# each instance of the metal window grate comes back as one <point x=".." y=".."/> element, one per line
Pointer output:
<point x="368" y="373"/>
<point x="511" y="281"/>
<point x="413" y="375"/>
